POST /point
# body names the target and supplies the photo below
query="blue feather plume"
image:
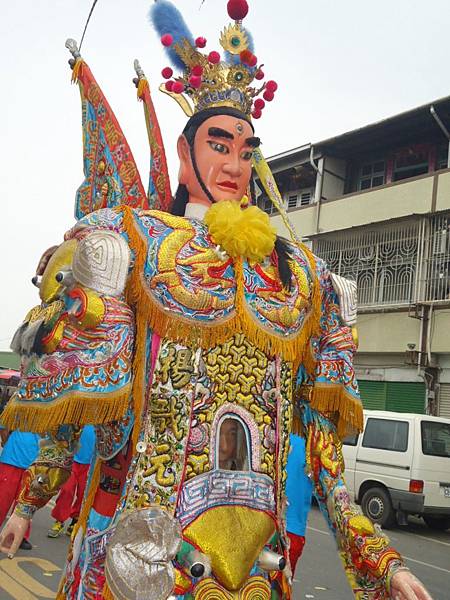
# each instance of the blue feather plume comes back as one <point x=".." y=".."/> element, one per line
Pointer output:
<point x="166" y="18"/>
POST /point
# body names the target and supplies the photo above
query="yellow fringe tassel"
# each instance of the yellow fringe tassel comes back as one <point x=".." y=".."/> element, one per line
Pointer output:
<point x="142" y="86"/>
<point x="101" y="408"/>
<point x="73" y="408"/>
<point x="106" y="592"/>
<point x="297" y="426"/>
<point x="139" y="364"/>
<point x="76" y="70"/>
<point x="134" y="295"/>
<point x="294" y="349"/>
<point x="334" y="398"/>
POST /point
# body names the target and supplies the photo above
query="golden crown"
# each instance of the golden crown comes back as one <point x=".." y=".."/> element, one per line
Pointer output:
<point x="208" y="80"/>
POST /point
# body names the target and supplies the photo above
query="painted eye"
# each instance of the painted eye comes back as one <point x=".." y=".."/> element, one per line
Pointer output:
<point x="219" y="147"/>
<point x="247" y="155"/>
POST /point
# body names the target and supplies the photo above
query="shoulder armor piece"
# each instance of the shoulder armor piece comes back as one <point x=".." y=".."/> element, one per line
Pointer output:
<point x="346" y="290"/>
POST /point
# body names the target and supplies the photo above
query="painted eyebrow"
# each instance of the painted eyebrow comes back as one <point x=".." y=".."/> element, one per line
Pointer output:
<point x="254" y="142"/>
<point x="220" y="133"/>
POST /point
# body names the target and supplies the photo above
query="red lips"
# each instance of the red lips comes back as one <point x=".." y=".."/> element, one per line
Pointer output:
<point x="228" y="184"/>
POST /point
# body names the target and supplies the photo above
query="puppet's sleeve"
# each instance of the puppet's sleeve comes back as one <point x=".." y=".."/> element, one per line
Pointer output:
<point x="48" y="473"/>
<point x="329" y="408"/>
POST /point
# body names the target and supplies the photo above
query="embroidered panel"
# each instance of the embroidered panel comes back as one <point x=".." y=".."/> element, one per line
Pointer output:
<point x="237" y="378"/>
<point x="164" y="437"/>
<point x="185" y="274"/>
<point x="88" y="362"/>
<point x="112" y="437"/>
<point x="225" y="487"/>
<point x="286" y="410"/>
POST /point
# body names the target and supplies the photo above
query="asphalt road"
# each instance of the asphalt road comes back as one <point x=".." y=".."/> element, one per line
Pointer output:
<point x="319" y="575"/>
<point x="35" y="574"/>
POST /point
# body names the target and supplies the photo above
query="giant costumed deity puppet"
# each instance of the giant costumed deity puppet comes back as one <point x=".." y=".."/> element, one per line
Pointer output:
<point x="195" y="340"/>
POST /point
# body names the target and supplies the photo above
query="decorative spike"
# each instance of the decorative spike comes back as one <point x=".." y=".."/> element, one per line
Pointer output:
<point x="138" y="69"/>
<point x="72" y="46"/>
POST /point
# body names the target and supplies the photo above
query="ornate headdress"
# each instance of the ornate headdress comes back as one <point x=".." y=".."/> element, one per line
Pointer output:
<point x="207" y="80"/>
<point x="111" y="175"/>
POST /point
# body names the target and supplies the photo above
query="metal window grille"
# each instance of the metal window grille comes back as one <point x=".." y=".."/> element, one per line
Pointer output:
<point x="384" y="261"/>
<point x="436" y="270"/>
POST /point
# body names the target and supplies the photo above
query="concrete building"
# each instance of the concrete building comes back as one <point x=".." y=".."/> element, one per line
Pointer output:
<point x="375" y="204"/>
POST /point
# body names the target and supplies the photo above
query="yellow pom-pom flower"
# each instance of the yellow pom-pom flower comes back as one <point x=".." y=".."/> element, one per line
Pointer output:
<point x="241" y="232"/>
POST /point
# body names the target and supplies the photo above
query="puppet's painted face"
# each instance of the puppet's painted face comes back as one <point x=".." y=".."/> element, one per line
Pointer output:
<point x="223" y="149"/>
<point x="228" y="442"/>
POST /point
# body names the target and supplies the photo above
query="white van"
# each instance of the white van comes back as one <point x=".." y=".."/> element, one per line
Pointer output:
<point x="400" y="465"/>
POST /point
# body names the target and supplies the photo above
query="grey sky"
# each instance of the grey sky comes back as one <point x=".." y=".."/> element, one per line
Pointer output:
<point x="339" y="65"/>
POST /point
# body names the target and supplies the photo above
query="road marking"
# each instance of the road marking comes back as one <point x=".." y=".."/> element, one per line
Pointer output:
<point x="11" y="571"/>
<point x="391" y="537"/>
<point x="419" y="562"/>
<point x="424" y="537"/>
<point x="318" y="530"/>
<point x="14" y="589"/>
<point x="406" y="557"/>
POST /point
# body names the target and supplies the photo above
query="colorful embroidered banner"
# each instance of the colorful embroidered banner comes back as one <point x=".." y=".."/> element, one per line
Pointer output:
<point x="159" y="193"/>
<point x="111" y="175"/>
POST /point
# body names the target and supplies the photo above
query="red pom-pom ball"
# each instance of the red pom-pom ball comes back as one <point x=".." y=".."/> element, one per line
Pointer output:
<point x="169" y="86"/>
<point x="167" y="39"/>
<point x="253" y="60"/>
<point x="256" y="114"/>
<point x="178" y="87"/>
<point x="246" y="56"/>
<point x="214" y="57"/>
<point x="197" y="70"/>
<point x="268" y="95"/>
<point x="259" y="104"/>
<point x="272" y="86"/>
<point x="195" y="81"/>
<point x="167" y="72"/>
<point x="200" y="42"/>
<point x="259" y="74"/>
<point x="237" y="9"/>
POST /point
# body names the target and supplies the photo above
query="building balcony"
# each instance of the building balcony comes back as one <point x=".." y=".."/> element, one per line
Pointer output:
<point x="416" y="196"/>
